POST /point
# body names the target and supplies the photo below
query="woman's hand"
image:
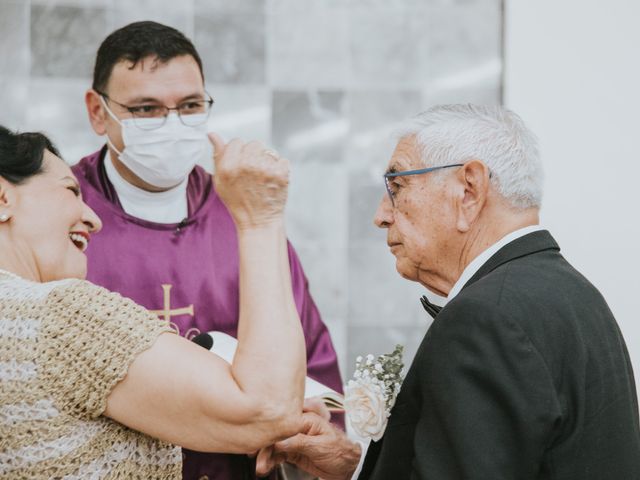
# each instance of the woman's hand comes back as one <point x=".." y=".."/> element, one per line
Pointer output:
<point x="251" y="180"/>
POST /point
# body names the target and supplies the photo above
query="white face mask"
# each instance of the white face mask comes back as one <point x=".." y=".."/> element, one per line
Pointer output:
<point x="162" y="157"/>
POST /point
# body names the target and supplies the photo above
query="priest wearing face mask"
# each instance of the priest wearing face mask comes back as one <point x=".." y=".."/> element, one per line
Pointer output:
<point x="162" y="219"/>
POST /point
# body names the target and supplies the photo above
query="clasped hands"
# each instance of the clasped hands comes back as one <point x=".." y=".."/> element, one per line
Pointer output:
<point x="319" y="448"/>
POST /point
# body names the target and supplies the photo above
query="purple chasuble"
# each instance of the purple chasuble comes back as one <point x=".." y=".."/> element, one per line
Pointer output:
<point x="188" y="273"/>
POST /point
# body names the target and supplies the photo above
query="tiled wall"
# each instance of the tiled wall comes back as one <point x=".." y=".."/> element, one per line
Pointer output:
<point x="324" y="81"/>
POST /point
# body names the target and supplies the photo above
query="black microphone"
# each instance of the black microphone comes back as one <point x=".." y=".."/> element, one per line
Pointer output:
<point x="204" y="340"/>
<point x="181" y="225"/>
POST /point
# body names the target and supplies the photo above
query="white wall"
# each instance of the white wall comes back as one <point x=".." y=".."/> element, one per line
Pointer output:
<point x="573" y="73"/>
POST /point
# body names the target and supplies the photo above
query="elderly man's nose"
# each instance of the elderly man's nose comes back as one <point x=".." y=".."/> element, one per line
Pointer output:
<point x="384" y="214"/>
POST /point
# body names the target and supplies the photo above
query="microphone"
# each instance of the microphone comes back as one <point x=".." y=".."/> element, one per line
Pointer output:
<point x="204" y="340"/>
<point x="181" y="225"/>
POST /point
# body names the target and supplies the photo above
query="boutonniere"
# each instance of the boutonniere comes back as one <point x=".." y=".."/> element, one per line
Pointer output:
<point x="371" y="394"/>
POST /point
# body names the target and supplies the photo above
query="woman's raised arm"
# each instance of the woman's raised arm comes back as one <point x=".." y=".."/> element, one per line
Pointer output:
<point x="180" y="393"/>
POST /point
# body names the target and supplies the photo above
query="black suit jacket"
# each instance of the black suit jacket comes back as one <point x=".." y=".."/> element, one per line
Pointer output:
<point x="523" y="375"/>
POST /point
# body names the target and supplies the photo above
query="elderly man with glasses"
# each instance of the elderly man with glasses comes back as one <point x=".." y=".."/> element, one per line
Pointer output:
<point x="163" y="222"/>
<point x="524" y="373"/>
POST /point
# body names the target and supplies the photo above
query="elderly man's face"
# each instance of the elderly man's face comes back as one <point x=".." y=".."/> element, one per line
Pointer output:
<point x="421" y="221"/>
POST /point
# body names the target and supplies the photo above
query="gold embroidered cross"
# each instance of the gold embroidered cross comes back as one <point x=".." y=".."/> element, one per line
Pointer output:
<point x="166" y="312"/>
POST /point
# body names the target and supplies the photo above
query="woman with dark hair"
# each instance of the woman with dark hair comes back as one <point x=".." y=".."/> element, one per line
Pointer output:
<point x="93" y="385"/>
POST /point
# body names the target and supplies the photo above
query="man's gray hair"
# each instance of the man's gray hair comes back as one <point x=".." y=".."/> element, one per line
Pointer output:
<point x="449" y="134"/>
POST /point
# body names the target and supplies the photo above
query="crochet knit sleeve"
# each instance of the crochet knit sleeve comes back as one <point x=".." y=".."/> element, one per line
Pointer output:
<point x="88" y="339"/>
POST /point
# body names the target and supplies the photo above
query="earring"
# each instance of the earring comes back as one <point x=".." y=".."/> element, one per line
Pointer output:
<point x="4" y="217"/>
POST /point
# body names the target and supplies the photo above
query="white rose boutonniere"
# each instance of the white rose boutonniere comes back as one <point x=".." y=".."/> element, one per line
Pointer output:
<point x="370" y="396"/>
<point x="364" y="404"/>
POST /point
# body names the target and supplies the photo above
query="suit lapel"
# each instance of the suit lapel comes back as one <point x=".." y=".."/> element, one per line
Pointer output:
<point x="370" y="460"/>
<point x="521" y="247"/>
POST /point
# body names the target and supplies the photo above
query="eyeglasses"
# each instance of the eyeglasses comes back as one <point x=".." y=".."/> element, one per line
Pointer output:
<point x="191" y="112"/>
<point x="391" y="189"/>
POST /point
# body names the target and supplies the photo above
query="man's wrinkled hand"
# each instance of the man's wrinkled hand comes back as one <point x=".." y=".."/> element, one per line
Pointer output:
<point x="269" y="460"/>
<point x="319" y="449"/>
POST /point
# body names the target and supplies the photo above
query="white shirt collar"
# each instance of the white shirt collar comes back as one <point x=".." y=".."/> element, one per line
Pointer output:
<point x="481" y="259"/>
<point x="169" y="206"/>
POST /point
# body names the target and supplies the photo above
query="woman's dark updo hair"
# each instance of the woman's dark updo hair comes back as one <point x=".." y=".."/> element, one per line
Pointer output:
<point x="21" y="154"/>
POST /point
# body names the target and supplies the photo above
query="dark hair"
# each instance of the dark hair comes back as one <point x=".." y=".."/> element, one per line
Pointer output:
<point x="21" y="154"/>
<point x="137" y="41"/>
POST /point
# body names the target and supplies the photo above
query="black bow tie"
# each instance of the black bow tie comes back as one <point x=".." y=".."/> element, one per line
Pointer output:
<point x="431" y="308"/>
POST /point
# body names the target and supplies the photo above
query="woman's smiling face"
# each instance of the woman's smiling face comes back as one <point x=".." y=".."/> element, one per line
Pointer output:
<point x="49" y="224"/>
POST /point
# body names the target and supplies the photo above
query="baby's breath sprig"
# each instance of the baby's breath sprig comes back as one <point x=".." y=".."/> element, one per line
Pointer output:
<point x="384" y="372"/>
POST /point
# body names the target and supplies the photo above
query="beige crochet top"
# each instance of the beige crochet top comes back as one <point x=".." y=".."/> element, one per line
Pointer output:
<point x="63" y="347"/>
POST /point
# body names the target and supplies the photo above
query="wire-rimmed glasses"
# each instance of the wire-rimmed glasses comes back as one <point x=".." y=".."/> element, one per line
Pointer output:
<point x="191" y="112"/>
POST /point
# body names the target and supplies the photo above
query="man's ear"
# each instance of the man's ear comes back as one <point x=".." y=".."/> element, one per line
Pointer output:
<point x="474" y="178"/>
<point x="96" y="111"/>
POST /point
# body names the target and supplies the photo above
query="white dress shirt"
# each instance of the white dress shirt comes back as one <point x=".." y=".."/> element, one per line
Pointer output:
<point x="169" y="206"/>
<point x="467" y="273"/>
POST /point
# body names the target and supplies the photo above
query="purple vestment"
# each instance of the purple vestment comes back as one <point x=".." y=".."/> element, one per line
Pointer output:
<point x="188" y="273"/>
